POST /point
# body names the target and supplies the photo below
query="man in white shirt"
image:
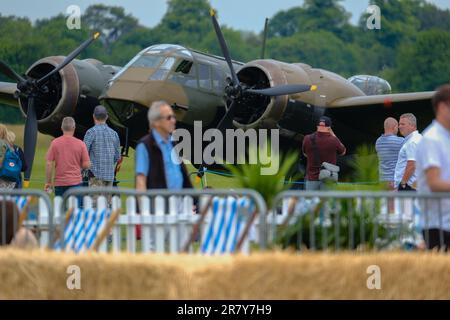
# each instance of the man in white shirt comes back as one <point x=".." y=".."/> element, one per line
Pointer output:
<point x="405" y="177"/>
<point x="433" y="170"/>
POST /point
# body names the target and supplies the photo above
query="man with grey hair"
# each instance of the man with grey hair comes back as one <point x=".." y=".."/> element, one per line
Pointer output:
<point x="68" y="155"/>
<point x="155" y="165"/>
<point x="405" y="176"/>
<point x="103" y="146"/>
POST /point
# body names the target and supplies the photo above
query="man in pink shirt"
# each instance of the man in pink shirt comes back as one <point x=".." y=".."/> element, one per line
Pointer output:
<point x="69" y="155"/>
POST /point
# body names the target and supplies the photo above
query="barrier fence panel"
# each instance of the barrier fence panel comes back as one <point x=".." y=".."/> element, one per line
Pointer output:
<point x="214" y="221"/>
<point x="208" y="221"/>
<point x="26" y="217"/>
<point x="333" y="221"/>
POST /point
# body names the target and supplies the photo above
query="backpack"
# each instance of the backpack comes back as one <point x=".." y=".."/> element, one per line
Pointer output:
<point x="12" y="165"/>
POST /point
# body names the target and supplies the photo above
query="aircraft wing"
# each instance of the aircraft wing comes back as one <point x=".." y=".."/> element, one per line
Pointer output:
<point x="385" y="99"/>
<point x="359" y="120"/>
<point x="7" y="90"/>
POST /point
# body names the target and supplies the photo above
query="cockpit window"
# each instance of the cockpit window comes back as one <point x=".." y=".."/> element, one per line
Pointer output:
<point x="166" y="47"/>
<point x="371" y="85"/>
<point x="185" y="67"/>
<point x="164" y="69"/>
<point x="148" y="61"/>
<point x="218" y="79"/>
<point x="204" y="76"/>
<point x="152" y="56"/>
<point x="185" y="74"/>
<point x="168" y="63"/>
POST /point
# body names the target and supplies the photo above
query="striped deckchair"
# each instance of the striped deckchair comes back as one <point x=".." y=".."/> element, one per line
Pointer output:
<point x="85" y="229"/>
<point x="228" y="222"/>
<point x="21" y="202"/>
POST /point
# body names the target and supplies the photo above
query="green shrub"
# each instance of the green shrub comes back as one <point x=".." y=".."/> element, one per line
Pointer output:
<point x="343" y="223"/>
<point x="249" y="175"/>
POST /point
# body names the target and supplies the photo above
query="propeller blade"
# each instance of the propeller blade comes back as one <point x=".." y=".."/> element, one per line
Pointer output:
<point x="283" y="90"/>
<point x="224" y="47"/>
<point x="30" y="136"/>
<point x="227" y="119"/>
<point x="69" y="58"/>
<point x="263" y="50"/>
<point x="224" y="123"/>
<point x="10" y="73"/>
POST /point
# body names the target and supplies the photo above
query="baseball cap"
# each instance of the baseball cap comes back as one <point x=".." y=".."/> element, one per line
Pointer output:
<point x="326" y="120"/>
<point x="100" y="112"/>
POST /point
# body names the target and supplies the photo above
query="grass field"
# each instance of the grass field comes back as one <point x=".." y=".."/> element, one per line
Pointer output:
<point x="125" y="176"/>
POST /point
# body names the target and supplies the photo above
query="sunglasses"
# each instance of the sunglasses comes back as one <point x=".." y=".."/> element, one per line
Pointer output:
<point x="169" y="117"/>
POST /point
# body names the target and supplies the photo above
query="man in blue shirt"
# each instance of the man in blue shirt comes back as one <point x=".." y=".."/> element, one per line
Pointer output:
<point x="103" y="145"/>
<point x="388" y="147"/>
<point x="157" y="166"/>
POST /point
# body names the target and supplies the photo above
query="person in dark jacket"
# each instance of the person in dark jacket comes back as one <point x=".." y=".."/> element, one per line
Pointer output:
<point x="320" y="147"/>
<point x="155" y="165"/>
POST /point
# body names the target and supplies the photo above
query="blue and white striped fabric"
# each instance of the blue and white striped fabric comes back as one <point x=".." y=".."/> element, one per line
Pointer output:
<point x="83" y="228"/>
<point x="387" y="148"/>
<point x="21" y="202"/>
<point x="226" y="224"/>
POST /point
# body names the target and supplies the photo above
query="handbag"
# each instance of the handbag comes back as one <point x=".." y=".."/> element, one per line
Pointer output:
<point x="328" y="171"/>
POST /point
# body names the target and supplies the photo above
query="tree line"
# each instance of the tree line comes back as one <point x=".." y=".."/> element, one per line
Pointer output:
<point x="411" y="50"/>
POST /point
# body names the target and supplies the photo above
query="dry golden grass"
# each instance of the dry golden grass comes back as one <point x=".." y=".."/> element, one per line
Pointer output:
<point x="42" y="275"/>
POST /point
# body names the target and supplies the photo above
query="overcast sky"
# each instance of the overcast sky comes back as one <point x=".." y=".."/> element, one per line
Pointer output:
<point x="238" y="14"/>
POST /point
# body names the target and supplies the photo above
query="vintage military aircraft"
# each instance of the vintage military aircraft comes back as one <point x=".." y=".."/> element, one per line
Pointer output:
<point x="219" y="91"/>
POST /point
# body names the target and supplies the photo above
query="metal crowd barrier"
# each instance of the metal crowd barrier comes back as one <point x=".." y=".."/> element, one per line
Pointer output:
<point x="333" y="221"/>
<point x="174" y="221"/>
<point x="169" y="221"/>
<point x="31" y="209"/>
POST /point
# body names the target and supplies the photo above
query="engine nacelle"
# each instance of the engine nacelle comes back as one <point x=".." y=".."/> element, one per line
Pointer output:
<point x="77" y="86"/>
<point x="62" y="97"/>
<point x="257" y="111"/>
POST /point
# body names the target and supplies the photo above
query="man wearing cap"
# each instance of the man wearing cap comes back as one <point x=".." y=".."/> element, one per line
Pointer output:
<point x="319" y="147"/>
<point x="103" y="145"/>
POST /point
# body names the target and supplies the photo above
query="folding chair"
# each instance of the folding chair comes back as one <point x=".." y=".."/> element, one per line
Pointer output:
<point x="86" y="229"/>
<point x="227" y="225"/>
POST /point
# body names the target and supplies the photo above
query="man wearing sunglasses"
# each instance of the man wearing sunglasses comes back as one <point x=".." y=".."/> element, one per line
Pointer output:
<point x="155" y="165"/>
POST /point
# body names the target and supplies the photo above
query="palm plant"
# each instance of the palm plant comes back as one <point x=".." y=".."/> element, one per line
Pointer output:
<point x="251" y="175"/>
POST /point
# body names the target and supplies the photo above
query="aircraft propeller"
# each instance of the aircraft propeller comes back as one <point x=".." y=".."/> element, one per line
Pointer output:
<point x="235" y="90"/>
<point x="32" y="89"/>
<point x="266" y="29"/>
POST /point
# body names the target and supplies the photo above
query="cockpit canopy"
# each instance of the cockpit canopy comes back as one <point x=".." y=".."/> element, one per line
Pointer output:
<point x="177" y="64"/>
<point x="371" y="85"/>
